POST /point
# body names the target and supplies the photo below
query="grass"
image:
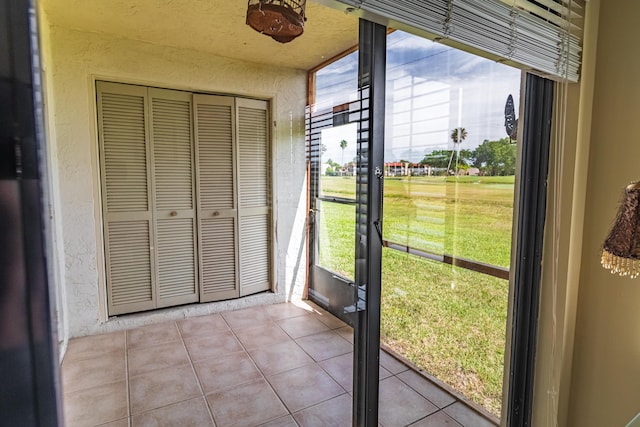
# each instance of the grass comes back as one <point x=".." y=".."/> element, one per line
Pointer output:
<point x="470" y="218"/>
<point x="449" y="321"/>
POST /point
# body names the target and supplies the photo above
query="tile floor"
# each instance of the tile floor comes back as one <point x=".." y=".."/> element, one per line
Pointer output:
<point x="278" y="365"/>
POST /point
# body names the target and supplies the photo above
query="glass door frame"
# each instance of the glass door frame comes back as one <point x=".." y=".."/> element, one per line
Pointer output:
<point x="369" y="240"/>
<point x="524" y="304"/>
<point x="363" y="295"/>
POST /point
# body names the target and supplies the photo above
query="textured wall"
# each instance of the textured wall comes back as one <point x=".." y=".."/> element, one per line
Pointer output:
<point x="73" y="59"/>
<point x="606" y="370"/>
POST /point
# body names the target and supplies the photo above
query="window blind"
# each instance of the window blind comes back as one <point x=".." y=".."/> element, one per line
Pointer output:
<point x="544" y="36"/>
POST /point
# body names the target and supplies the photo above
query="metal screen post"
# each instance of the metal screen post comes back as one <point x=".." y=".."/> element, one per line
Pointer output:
<point x="366" y="355"/>
<point x="528" y="268"/>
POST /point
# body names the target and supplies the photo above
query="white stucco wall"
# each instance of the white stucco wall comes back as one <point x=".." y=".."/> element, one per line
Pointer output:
<point x="72" y="61"/>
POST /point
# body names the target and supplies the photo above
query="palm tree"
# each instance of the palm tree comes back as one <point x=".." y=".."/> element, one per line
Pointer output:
<point x="343" y="145"/>
<point x="458" y="135"/>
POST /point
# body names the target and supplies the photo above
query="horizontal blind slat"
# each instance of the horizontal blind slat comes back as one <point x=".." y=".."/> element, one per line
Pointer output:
<point x="551" y="28"/>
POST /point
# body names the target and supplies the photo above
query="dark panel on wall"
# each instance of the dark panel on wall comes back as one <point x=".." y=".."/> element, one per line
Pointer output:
<point x="27" y="361"/>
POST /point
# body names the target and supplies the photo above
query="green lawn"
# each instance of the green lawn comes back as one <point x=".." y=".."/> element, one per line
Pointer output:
<point x="470" y="218"/>
<point x="447" y="320"/>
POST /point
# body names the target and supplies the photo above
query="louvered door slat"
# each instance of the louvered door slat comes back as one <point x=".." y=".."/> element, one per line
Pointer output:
<point x="172" y="151"/>
<point x="176" y="255"/>
<point x="253" y="157"/>
<point x="130" y="265"/>
<point x="254" y="259"/>
<point x="124" y="164"/>
<point x="254" y="174"/>
<point x="173" y="197"/>
<point x="215" y="134"/>
<point x="124" y="152"/>
<point x="219" y="258"/>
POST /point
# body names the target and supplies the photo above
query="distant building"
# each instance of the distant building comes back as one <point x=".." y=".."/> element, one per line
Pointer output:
<point x="404" y="169"/>
<point x="473" y="172"/>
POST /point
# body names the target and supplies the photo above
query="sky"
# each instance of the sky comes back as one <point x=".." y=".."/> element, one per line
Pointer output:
<point x="431" y="89"/>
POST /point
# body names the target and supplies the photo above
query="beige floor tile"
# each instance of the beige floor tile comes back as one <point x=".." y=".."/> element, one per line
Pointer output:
<point x="285" y="311"/>
<point x="202" y="325"/>
<point x="147" y="359"/>
<point x="309" y="374"/>
<point x="248" y="405"/>
<point x="96" y="405"/>
<point x="341" y="369"/>
<point x="383" y="373"/>
<point x="210" y="346"/>
<point x="345" y="332"/>
<point x="467" y="416"/>
<point x="122" y="422"/>
<point x="280" y="357"/>
<point x="426" y="388"/>
<point x="301" y="326"/>
<point x="324" y="345"/>
<point x="246" y="317"/>
<point x="439" y="419"/>
<point x="391" y="364"/>
<point x="263" y="335"/>
<point x="226" y="371"/>
<point x="329" y="319"/>
<point x="146" y="336"/>
<point x="190" y="413"/>
<point x="95" y="345"/>
<point x="286" y="421"/>
<point x="304" y="387"/>
<point x="95" y="371"/>
<point x="400" y="405"/>
<point x="162" y="387"/>
<point x="335" y="412"/>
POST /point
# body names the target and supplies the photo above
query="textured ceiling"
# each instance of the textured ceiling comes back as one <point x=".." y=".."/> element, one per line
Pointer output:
<point x="213" y="26"/>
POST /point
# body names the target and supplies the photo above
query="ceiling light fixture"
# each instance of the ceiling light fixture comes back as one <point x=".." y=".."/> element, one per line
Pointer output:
<point x="282" y="20"/>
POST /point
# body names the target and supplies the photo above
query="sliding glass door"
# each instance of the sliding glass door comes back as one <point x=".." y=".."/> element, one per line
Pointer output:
<point x="438" y="129"/>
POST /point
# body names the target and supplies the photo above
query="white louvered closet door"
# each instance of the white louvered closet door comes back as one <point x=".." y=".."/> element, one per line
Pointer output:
<point x="217" y="201"/>
<point x="254" y="183"/>
<point x="173" y="197"/>
<point x="127" y="208"/>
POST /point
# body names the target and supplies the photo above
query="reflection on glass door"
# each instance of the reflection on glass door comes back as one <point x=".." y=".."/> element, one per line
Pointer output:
<point x="332" y="132"/>
<point x="344" y="195"/>
<point x="450" y="160"/>
<point x="335" y="205"/>
<point x="450" y="144"/>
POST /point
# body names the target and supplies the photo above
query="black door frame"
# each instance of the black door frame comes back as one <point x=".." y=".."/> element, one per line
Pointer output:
<point x="369" y="184"/>
<point x="28" y="362"/>
<point x="536" y="142"/>
<point x="357" y="302"/>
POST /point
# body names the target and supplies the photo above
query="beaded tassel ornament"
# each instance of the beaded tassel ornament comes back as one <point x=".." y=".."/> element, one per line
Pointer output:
<point x="621" y="251"/>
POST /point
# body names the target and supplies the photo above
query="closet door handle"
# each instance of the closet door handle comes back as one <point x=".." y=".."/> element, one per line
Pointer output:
<point x="173" y="213"/>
